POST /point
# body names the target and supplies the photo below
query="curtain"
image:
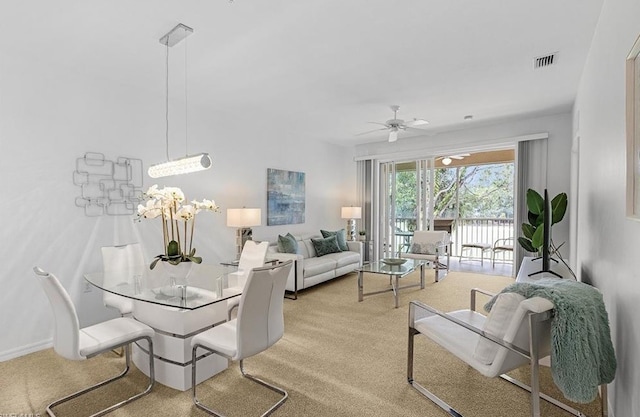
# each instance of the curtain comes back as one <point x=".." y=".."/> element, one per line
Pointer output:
<point x="366" y="190"/>
<point x="531" y="172"/>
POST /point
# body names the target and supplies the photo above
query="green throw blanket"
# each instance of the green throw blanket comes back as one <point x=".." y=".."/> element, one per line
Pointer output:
<point x="582" y="355"/>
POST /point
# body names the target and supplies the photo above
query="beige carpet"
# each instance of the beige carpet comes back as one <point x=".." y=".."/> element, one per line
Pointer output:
<point x="339" y="357"/>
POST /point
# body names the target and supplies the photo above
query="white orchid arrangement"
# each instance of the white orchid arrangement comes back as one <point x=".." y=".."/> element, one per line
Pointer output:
<point x="178" y="222"/>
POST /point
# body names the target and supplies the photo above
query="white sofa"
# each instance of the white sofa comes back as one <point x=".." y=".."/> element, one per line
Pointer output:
<point x="309" y="269"/>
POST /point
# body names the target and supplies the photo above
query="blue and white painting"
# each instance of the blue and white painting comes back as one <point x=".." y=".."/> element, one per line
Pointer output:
<point x="285" y="197"/>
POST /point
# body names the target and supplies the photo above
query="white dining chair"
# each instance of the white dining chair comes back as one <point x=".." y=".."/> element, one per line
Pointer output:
<point x="72" y="342"/>
<point x="253" y="256"/>
<point x="259" y="324"/>
<point x="116" y="259"/>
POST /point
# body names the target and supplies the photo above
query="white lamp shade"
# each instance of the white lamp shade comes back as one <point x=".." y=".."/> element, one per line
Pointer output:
<point x="244" y="217"/>
<point x="351" y="212"/>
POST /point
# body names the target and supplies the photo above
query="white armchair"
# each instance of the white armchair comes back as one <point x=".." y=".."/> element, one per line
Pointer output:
<point x="430" y="246"/>
<point x="515" y="333"/>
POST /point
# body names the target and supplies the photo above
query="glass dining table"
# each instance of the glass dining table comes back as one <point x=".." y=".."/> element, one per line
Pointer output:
<point x="177" y="310"/>
<point x="204" y="285"/>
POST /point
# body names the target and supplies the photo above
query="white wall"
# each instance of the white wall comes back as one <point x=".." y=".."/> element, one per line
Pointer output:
<point x="557" y="126"/>
<point x="608" y="241"/>
<point x="51" y="116"/>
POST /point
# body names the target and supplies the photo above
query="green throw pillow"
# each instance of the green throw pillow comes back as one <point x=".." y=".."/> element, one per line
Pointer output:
<point x="341" y="236"/>
<point x="324" y="246"/>
<point x="287" y="244"/>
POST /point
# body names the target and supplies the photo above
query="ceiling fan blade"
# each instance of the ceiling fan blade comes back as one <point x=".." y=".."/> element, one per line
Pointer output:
<point x="371" y="131"/>
<point x="416" y="122"/>
<point x="415" y="129"/>
<point x="381" y="124"/>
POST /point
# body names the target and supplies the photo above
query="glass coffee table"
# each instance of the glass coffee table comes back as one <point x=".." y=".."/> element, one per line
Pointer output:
<point x="394" y="272"/>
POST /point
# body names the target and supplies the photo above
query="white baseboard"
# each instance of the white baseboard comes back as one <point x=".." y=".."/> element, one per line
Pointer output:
<point x="24" y="350"/>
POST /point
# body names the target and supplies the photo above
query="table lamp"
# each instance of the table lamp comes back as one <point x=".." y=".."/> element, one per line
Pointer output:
<point x="243" y="219"/>
<point x="351" y="214"/>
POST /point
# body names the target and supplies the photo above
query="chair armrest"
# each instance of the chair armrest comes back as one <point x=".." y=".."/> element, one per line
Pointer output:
<point x="413" y="305"/>
<point x="474" y="293"/>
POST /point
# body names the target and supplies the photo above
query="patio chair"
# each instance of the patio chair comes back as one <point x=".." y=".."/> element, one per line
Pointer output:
<point x="501" y="245"/>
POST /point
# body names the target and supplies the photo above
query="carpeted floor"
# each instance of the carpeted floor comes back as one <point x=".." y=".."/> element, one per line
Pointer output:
<point x="339" y="357"/>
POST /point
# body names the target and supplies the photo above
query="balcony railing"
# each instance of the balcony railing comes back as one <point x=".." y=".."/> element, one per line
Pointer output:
<point x="465" y="230"/>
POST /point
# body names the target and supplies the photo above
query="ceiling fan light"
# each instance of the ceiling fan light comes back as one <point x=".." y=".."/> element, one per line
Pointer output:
<point x="393" y="135"/>
<point x="446" y="160"/>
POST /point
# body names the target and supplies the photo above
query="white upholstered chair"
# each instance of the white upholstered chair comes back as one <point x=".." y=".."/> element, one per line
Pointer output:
<point x="72" y="342"/>
<point x="253" y="255"/>
<point x="259" y="324"/>
<point x="515" y="333"/>
<point x="430" y="246"/>
<point x="119" y="258"/>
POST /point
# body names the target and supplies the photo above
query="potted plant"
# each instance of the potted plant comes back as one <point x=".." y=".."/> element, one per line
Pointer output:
<point x="533" y="231"/>
<point x="178" y="223"/>
<point x="362" y="235"/>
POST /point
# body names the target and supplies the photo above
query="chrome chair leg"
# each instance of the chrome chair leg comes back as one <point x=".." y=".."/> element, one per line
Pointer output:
<point x="127" y="350"/>
<point x="201" y="406"/>
<point x="279" y="390"/>
<point x="535" y="393"/>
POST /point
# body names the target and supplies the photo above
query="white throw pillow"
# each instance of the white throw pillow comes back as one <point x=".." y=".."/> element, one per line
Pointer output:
<point x="427" y="248"/>
<point x="496" y="324"/>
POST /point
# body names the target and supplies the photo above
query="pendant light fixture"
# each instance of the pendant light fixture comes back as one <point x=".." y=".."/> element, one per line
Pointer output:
<point x="189" y="163"/>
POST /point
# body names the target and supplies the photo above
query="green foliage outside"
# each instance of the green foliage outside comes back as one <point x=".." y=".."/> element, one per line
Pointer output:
<point x="485" y="191"/>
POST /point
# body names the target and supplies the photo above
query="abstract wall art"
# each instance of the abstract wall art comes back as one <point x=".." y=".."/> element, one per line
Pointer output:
<point x="285" y="197"/>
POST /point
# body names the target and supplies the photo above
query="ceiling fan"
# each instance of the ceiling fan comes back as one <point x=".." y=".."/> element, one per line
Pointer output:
<point x="395" y="125"/>
<point x="446" y="160"/>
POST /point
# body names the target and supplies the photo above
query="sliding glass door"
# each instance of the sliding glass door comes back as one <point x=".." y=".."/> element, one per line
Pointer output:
<point x="405" y="204"/>
<point x="471" y="198"/>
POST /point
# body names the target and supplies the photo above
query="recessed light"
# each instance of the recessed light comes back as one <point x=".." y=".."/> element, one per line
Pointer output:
<point x="468" y="117"/>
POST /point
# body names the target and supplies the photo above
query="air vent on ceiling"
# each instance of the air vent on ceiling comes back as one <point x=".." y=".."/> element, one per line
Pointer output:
<point x="545" y="61"/>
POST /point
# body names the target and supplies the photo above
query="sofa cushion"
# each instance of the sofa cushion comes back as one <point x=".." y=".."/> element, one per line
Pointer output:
<point x="326" y="245"/>
<point x="306" y="248"/>
<point x="341" y="236"/>
<point x="345" y="258"/>
<point x="287" y="244"/>
<point x="316" y="266"/>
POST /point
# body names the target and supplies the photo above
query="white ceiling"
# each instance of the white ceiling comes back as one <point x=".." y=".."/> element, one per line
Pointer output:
<point x="322" y="69"/>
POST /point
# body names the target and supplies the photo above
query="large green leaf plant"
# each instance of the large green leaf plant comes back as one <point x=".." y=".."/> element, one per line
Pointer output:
<point x="533" y="231"/>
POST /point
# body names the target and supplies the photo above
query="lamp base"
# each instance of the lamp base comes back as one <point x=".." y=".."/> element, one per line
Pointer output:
<point x="242" y="235"/>
<point x="351" y="229"/>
